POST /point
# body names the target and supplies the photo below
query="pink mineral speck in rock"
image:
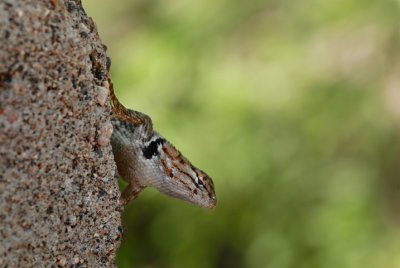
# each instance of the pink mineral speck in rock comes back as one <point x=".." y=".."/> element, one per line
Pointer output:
<point x="105" y="133"/>
<point x="102" y="94"/>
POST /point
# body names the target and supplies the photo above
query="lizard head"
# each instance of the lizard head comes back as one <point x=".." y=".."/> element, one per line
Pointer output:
<point x="180" y="179"/>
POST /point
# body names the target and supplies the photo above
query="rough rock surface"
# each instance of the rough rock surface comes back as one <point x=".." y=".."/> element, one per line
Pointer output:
<point x="58" y="194"/>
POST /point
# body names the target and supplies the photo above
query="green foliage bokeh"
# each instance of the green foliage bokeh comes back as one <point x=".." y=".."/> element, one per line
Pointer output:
<point x="292" y="107"/>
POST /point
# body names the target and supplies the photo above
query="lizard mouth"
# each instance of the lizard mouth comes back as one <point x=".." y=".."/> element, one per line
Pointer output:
<point x="212" y="203"/>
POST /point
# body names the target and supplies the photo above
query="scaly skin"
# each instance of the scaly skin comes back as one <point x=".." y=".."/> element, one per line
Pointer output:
<point x="144" y="158"/>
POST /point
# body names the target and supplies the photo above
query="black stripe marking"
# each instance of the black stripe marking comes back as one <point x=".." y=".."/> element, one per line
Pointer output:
<point x="151" y="149"/>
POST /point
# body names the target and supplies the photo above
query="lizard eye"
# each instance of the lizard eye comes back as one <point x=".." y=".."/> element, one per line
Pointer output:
<point x="201" y="182"/>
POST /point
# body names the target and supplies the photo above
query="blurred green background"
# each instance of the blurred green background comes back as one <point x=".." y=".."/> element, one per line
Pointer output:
<point x="292" y="107"/>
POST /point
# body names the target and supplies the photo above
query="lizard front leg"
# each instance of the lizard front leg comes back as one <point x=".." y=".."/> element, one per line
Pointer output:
<point x="130" y="193"/>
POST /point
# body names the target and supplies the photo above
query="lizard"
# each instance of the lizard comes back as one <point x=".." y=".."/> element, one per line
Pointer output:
<point x="144" y="158"/>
